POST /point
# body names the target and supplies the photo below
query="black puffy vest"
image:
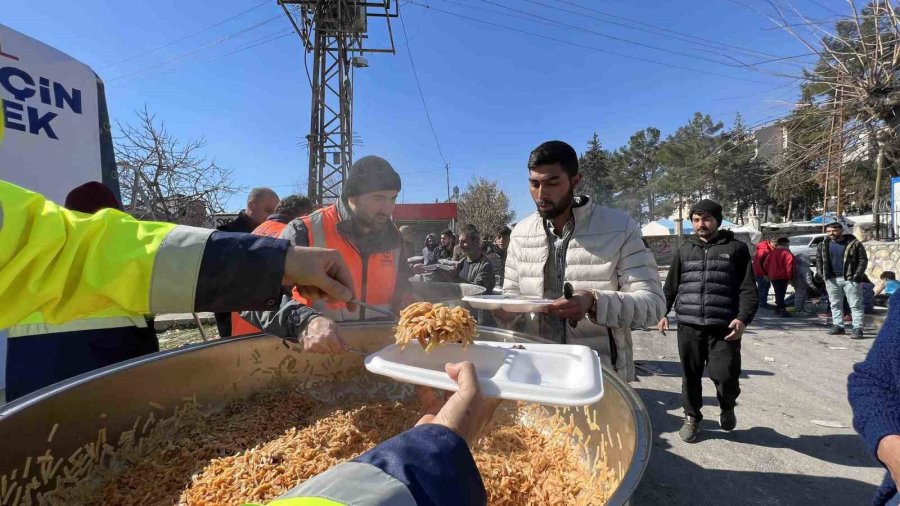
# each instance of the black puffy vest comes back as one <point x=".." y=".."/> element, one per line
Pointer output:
<point x="709" y="292"/>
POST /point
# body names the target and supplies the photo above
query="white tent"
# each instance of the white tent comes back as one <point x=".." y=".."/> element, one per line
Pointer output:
<point x="654" y="229"/>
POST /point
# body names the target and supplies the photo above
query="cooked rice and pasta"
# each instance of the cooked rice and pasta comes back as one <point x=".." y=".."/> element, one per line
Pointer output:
<point x="435" y="324"/>
<point x="256" y="449"/>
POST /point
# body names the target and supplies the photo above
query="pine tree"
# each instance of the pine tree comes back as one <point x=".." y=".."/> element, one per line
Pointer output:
<point x="594" y="166"/>
<point x="634" y="172"/>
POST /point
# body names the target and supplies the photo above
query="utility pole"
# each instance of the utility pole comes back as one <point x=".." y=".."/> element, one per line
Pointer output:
<point x="879" y="168"/>
<point x="447" y="167"/>
<point x="838" y="130"/>
<point x="336" y="32"/>
<point x="837" y="125"/>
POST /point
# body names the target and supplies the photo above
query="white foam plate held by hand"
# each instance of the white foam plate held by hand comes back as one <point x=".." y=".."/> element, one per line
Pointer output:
<point x="554" y="374"/>
<point x="520" y="304"/>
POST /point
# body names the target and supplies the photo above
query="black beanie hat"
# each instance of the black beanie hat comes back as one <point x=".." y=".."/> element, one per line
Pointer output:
<point x="371" y="174"/>
<point x="709" y="206"/>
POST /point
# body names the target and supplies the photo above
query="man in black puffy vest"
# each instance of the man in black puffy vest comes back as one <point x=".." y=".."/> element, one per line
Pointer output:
<point x="712" y="287"/>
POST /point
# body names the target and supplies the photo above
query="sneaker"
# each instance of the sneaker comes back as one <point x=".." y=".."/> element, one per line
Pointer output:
<point x="727" y="420"/>
<point x="836" y="331"/>
<point x="690" y="429"/>
<point x="857" y="334"/>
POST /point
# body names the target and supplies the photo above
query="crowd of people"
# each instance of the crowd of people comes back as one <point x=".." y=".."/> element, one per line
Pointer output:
<point x="470" y="257"/>
<point x="87" y="276"/>
<point x="840" y="280"/>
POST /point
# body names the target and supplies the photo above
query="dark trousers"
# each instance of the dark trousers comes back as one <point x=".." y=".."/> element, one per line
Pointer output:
<point x="762" y="286"/>
<point x="705" y="348"/>
<point x="780" y="286"/>
<point x="223" y="324"/>
<point x="34" y="362"/>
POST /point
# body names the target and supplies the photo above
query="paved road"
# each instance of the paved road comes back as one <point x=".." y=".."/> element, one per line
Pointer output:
<point x="777" y="454"/>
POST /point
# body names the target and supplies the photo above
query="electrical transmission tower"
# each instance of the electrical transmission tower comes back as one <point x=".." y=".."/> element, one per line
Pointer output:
<point x="336" y="32"/>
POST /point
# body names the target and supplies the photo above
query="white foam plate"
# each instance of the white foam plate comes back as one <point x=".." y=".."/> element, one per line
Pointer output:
<point x="519" y="304"/>
<point x="554" y="374"/>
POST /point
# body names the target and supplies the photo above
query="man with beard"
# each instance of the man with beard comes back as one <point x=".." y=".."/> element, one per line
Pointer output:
<point x="712" y="287"/>
<point x="360" y="228"/>
<point x="596" y="249"/>
<point x="447" y="245"/>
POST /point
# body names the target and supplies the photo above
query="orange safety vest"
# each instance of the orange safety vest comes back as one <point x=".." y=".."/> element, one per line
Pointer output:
<point x="374" y="278"/>
<point x="270" y="228"/>
<point x="240" y="326"/>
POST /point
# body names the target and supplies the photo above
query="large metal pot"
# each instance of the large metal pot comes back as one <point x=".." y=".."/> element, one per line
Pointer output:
<point x="450" y="294"/>
<point x="100" y="406"/>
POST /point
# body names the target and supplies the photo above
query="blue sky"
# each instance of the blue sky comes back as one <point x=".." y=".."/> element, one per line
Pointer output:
<point x="493" y="93"/>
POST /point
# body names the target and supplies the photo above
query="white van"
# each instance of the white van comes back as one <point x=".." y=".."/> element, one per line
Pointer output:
<point x="56" y="133"/>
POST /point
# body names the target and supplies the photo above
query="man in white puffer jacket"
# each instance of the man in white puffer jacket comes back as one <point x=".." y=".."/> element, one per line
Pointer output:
<point x="596" y="249"/>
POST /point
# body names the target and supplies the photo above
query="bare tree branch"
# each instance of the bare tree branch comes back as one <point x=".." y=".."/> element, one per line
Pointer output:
<point x="166" y="179"/>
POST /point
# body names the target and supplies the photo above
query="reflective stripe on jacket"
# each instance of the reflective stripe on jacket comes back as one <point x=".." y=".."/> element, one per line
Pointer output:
<point x="69" y="265"/>
<point x="374" y="275"/>
<point x="428" y="465"/>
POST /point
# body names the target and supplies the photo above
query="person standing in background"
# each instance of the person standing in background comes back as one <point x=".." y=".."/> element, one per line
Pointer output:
<point x="407" y="249"/>
<point x="446" y="246"/>
<point x="763" y="248"/>
<point x="842" y="261"/>
<point x="710" y="284"/>
<point x="292" y="207"/>
<point x="475" y="268"/>
<point x="804" y="284"/>
<point x="430" y="250"/>
<point x="501" y="247"/>
<point x="261" y="203"/>
<point x="779" y="266"/>
<point x="458" y="253"/>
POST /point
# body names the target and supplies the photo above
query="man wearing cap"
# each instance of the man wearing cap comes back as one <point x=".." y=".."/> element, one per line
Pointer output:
<point x="360" y="228"/>
<point x="712" y="287"/>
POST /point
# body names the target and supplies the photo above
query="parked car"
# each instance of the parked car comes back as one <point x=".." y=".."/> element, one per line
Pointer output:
<point x="807" y="244"/>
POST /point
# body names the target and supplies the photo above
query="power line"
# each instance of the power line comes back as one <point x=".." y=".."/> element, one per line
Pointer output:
<point x="421" y="94"/>
<point x="186" y="37"/>
<point x="584" y="46"/>
<point x="674" y="33"/>
<point x="197" y="50"/>
<point x="257" y="42"/>
<point x="618" y="39"/>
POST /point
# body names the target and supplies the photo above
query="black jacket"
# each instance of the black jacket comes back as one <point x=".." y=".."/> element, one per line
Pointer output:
<point x="480" y="272"/>
<point x="855" y="260"/>
<point x="242" y="224"/>
<point x="712" y="283"/>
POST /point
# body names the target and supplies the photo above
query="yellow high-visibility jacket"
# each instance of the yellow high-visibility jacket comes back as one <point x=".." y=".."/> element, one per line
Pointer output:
<point x="69" y="265"/>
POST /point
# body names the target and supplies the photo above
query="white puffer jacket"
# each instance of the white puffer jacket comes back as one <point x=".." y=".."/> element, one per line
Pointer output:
<point x="605" y="255"/>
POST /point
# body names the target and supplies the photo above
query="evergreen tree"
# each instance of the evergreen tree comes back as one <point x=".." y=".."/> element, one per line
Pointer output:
<point x="594" y="166"/>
